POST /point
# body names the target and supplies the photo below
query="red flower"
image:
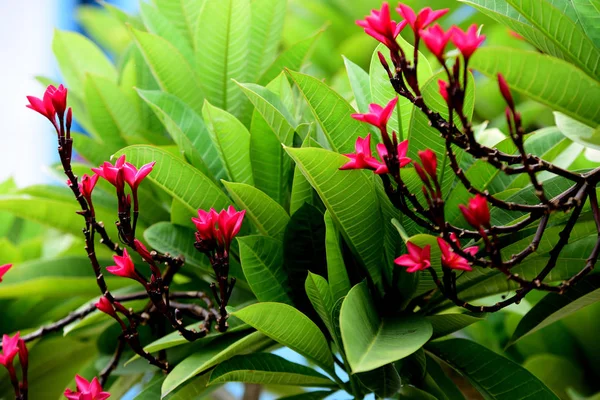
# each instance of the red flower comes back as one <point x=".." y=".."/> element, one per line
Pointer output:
<point x="111" y="172"/>
<point x="133" y="177"/>
<point x="58" y="97"/>
<point x="436" y="40"/>
<point x="429" y="162"/>
<point x="10" y="348"/>
<point x="383" y="153"/>
<point x="44" y="106"/>
<point x="505" y="90"/>
<point x="467" y="42"/>
<point x="380" y="26"/>
<point x="477" y="213"/>
<point x="417" y="259"/>
<point x="230" y="223"/>
<point x="142" y="251"/>
<point x="86" y="186"/>
<point x="86" y="390"/>
<point x="23" y="354"/>
<point x="206" y="223"/>
<point x="106" y="307"/>
<point x="125" y="267"/>
<point x="363" y="158"/>
<point x="419" y="21"/>
<point x="443" y="85"/>
<point x="452" y="260"/>
<point x="378" y="116"/>
<point x="4" y="269"/>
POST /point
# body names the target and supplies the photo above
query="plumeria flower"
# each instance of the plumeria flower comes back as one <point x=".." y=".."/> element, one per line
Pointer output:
<point x="477" y="213"/>
<point x="467" y="42"/>
<point x="106" y="307"/>
<point x="54" y="101"/>
<point x="443" y="85"/>
<point x="380" y="26"/>
<point x="86" y="390"/>
<point x="378" y="116"/>
<point x="383" y="153"/>
<point x="505" y="90"/>
<point x="421" y="20"/>
<point x="87" y="185"/>
<point x="133" y="176"/>
<point x="206" y="224"/>
<point x="10" y="348"/>
<point x="452" y="260"/>
<point x="362" y="159"/>
<point x="417" y="259"/>
<point x="218" y="228"/>
<point x="111" y="172"/>
<point x="429" y="162"/>
<point x="436" y="40"/>
<point x="125" y="267"/>
<point x="4" y="269"/>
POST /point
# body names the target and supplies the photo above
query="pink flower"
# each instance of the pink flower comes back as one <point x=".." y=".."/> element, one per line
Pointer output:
<point x="383" y="153"/>
<point x="477" y="213"/>
<point x="106" y="307"/>
<point x="230" y="223"/>
<point x="111" y="172"/>
<point x="429" y="162"/>
<point x="419" y="21"/>
<point x="142" y="251"/>
<point x="467" y="42"/>
<point x="443" y="85"/>
<point x="133" y="177"/>
<point x="363" y="158"/>
<point x="44" y="106"/>
<point x="86" y="390"/>
<point x="452" y="260"/>
<point x="206" y="224"/>
<point x="380" y="26"/>
<point x="417" y="259"/>
<point x="505" y="90"/>
<point x="86" y="186"/>
<point x="58" y="97"/>
<point x="4" y="269"/>
<point x="436" y="40"/>
<point x="10" y="348"/>
<point x="378" y="116"/>
<point x="125" y="267"/>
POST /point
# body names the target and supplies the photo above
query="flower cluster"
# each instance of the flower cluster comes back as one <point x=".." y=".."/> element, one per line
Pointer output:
<point x="87" y="390"/>
<point x="217" y="230"/>
<point x="11" y="347"/>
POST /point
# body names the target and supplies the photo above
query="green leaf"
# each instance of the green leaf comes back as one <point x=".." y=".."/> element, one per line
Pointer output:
<point x="266" y="29"/>
<point x="291" y="328"/>
<point x="232" y="140"/>
<point x="384" y="382"/>
<point x="292" y="58"/>
<point x="529" y="72"/>
<point x="588" y="16"/>
<point x="351" y="199"/>
<point x="262" y="263"/>
<point x="578" y="132"/>
<point x="361" y="86"/>
<point x="370" y="341"/>
<point x="485" y="369"/>
<point x="443" y="381"/>
<point x="225" y="56"/>
<point x="331" y="111"/>
<point x="183" y="14"/>
<point x="160" y="25"/>
<point x="171" y="70"/>
<point x="267" y="369"/>
<point x="112" y="113"/>
<point x="336" y="268"/>
<point x="182" y="181"/>
<point x="92" y="150"/>
<point x="187" y="130"/>
<point x="48" y="278"/>
<point x="556" y="25"/>
<point x="445" y="324"/>
<point x="319" y="295"/>
<point x="104" y="28"/>
<point x="554" y="307"/>
<point x="267" y="216"/>
<point x="77" y="56"/>
<point x="206" y="358"/>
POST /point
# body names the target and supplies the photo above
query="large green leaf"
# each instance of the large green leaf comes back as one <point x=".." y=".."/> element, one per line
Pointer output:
<point x="262" y="263"/>
<point x="77" y="56"/>
<point x="445" y="324"/>
<point x="232" y="140"/>
<point x="48" y="278"/>
<point x="216" y="353"/>
<point x="267" y="369"/>
<point x="351" y="199"/>
<point x="371" y="342"/>
<point x="336" y="268"/>
<point x="556" y="25"/>
<point x="265" y="34"/>
<point x="529" y="72"/>
<point x="181" y="180"/>
<point x="291" y="328"/>
<point x="104" y="28"/>
<point x="331" y="111"/>
<point x="183" y="14"/>
<point x="578" y="132"/>
<point x="588" y="15"/>
<point x="170" y="69"/>
<point x="554" y="307"/>
<point x="361" y="86"/>
<point x="222" y="39"/>
<point x="319" y="295"/>
<point x="486" y="369"/>
<point x="267" y="215"/>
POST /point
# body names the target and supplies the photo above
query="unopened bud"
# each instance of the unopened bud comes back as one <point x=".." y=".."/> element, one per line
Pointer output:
<point x="505" y="90"/>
